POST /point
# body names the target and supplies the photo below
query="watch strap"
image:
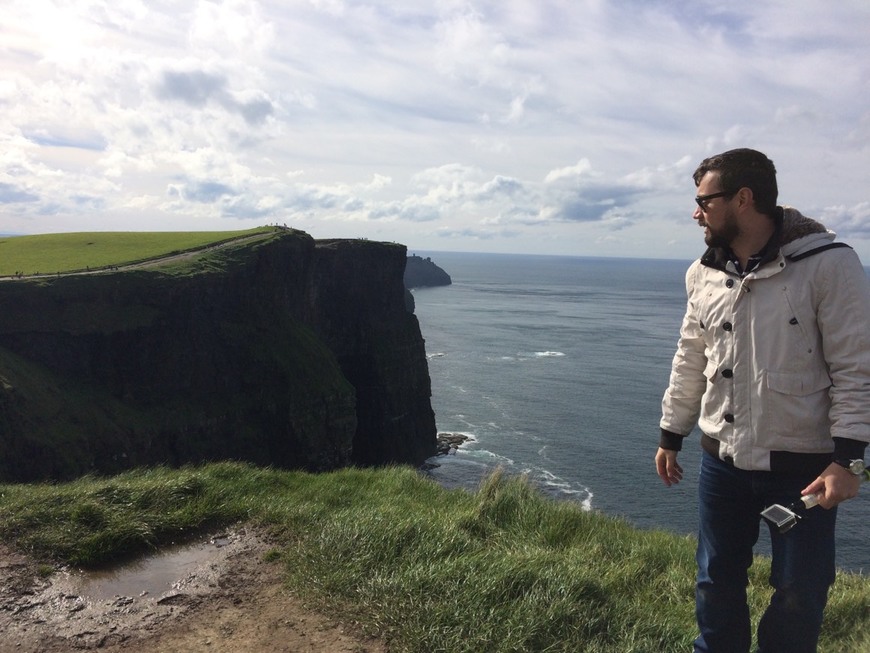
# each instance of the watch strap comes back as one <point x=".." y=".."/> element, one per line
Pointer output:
<point x="854" y="466"/>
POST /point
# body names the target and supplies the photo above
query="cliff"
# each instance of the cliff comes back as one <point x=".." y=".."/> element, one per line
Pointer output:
<point x="423" y="272"/>
<point x="278" y="350"/>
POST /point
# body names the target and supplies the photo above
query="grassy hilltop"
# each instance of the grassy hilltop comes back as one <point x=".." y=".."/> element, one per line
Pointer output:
<point x="501" y="570"/>
<point x="69" y="252"/>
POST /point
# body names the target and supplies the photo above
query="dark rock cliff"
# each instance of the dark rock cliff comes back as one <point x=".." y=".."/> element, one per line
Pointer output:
<point x="423" y="272"/>
<point x="280" y="350"/>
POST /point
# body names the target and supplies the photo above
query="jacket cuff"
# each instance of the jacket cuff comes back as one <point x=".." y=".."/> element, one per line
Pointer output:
<point x="847" y="449"/>
<point x="670" y="440"/>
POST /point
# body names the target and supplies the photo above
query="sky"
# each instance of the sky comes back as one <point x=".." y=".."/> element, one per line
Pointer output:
<point x="567" y="127"/>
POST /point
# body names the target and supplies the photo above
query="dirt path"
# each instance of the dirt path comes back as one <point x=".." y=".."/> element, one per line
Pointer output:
<point x="233" y="603"/>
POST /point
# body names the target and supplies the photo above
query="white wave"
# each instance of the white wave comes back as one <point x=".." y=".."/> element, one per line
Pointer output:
<point x="560" y="488"/>
<point x="583" y="497"/>
<point x="500" y="460"/>
<point x="526" y="355"/>
<point x="467" y="434"/>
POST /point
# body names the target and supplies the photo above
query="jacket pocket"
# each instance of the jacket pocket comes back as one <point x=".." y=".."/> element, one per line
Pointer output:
<point x="797" y="407"/>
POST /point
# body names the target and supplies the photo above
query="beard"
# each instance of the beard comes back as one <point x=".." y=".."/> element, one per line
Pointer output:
<point x="724" y="235"/>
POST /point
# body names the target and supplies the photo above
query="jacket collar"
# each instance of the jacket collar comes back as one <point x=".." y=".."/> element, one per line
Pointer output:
<point x="789" y="226"/>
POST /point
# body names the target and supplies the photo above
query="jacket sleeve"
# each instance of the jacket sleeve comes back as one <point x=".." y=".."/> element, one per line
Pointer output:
<point x="681" y="403"/>
<point x="843" y="315"/>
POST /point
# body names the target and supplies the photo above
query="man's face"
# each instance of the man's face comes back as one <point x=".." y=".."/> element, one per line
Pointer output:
<point x="717" y="216"/>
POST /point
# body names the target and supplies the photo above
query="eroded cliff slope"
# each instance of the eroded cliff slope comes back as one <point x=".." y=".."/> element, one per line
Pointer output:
<point x="278" y="350"/>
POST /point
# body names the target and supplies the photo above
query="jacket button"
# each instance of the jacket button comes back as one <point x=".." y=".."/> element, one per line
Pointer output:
<point x="727" y="326"/>
<point x="727" y="373"/>
<point x="729" y="283"/>
<point x="729" y="418"/>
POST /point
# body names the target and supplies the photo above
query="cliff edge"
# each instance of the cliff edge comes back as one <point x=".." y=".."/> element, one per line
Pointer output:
<point x="278" y="350"/>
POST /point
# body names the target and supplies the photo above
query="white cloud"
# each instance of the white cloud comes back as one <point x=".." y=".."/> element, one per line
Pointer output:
<point x="521" y="125"/>
<point x="235" y="27"/>
<point x="582" y="167"/>
<point x="852" y="220"/>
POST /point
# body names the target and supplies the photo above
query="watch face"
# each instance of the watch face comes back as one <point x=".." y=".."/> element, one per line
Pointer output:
<point x="857" y="467"/>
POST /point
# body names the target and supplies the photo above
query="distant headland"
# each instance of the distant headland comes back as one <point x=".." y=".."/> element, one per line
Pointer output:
<point x="423" y="273"/>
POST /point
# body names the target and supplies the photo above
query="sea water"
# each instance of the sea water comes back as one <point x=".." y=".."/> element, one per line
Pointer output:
<point x="555" y="367"/>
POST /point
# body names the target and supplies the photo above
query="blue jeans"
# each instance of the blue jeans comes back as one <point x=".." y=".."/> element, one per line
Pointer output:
<point x="803" y="568"/>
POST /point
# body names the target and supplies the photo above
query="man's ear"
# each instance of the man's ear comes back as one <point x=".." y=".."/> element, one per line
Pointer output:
<point x="745" y="198"/>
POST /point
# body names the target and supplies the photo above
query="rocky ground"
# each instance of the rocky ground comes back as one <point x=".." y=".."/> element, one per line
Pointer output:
<point x="232" y="602"/>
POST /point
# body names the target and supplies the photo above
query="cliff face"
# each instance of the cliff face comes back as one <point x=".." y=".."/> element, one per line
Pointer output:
<point x="423" y="272"/>
<point x="280" y="351"/>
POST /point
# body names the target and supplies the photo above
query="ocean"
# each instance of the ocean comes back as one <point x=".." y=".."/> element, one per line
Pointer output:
<point x="555" y="367"/>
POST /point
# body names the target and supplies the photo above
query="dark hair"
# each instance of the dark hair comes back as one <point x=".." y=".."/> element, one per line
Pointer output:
<point x="744" y="168"/>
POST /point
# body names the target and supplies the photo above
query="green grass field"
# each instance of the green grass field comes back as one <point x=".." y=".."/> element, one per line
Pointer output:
<point x="53" y="253"/>
<point x="502" y="570"/>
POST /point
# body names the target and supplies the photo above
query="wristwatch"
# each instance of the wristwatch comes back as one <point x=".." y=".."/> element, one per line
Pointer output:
<point x="855" y="467"/>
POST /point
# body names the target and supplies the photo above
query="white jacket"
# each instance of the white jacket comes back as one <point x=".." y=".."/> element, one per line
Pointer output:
<point x="777" y="363"/>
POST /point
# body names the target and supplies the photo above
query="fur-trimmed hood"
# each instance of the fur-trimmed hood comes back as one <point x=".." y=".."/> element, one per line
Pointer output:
<point x="799" y="233"/>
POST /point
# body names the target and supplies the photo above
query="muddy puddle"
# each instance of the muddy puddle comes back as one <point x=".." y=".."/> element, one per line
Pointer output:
<point x="95" y="608"/>
<point x="153" y="575"/>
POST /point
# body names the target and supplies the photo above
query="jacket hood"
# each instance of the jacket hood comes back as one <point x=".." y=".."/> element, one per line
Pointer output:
<point x="799" y="233"/>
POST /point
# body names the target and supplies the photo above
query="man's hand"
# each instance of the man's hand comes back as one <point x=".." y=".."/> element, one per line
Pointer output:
<point x="834" y="485"/>
<point x="668" y="468"/>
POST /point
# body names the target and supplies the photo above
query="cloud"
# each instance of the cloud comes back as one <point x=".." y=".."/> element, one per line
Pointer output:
<point x="470" y="48"/>
<point x="578" y="193"/>
<point x="197" y="88"/>
<point x="10" y="194"/>
<point x="201" y="191"/>
<point x="409" y="210"/>
<point x="578" y="208"/>
<point x="255" y="108"/>
<point x="477" y="235"/>
<point x="501" y="187"/>
<point x="62" y="136"/>
<point x="194" y="88"/>
<point x="848" y="221"/>
<point x="231" y="28"/>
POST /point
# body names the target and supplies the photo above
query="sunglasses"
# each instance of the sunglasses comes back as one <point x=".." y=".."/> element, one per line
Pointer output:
<point x="703" y="200"/>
